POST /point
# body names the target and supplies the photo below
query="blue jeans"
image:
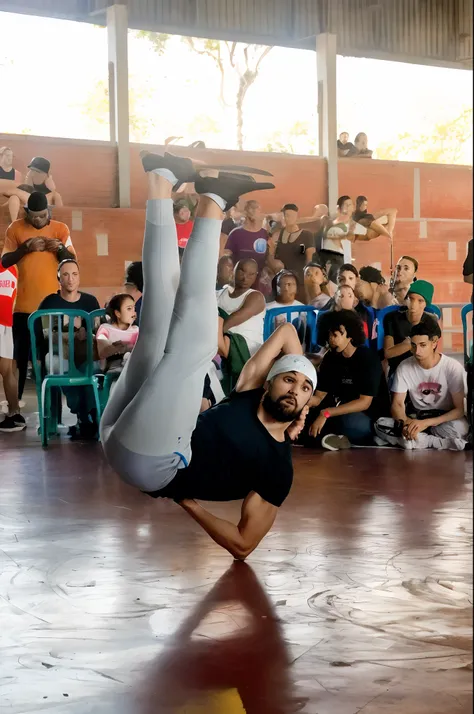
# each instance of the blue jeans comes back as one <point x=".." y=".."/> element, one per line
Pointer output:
<point x="357" y="427"/>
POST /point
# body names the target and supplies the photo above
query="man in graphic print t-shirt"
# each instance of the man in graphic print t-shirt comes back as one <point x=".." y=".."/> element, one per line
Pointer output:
<point x="249" y="241"/>
<point x="435" y="385"/>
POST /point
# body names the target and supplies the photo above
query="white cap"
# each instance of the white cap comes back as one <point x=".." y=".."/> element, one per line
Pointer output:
<point x="294" y="363"/>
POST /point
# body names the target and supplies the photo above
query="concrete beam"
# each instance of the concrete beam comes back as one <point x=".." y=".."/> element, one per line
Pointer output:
<point x="117" y="33"/>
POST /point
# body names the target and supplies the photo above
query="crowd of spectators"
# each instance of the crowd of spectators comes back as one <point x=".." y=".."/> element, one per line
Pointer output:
<point x="407" y="394"/>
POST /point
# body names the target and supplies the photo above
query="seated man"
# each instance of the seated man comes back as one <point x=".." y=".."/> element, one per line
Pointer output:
<point x="150" y="430"/>
<point x="344" y="299"/>
<point x="10" y="179"/>
<point x="361" y="144"/>
<point x="316" y="286"/>
<point x="435" y="386"/>
<point x="405" y="275"/>
<point x="372" y="290"/>
<point x="352" y="385"/>
<point x="398" y="324"/>
<point x="241" y="318"/>
<point x="79" y="399"/>
<point x="344" y="146"/>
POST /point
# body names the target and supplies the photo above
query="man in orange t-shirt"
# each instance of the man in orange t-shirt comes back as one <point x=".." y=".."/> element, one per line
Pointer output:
<point x="36" y="244"/>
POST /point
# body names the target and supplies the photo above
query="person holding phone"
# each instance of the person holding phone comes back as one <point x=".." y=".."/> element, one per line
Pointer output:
<point x="292" y="248"/>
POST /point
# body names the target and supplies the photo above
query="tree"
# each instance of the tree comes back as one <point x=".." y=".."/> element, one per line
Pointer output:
<point x="446" y="144"/>
<point x="287" y="142"/>
<point x="238" y="67"/>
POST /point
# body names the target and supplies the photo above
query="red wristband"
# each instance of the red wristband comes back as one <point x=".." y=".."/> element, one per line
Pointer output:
<point x="326" y="414"/>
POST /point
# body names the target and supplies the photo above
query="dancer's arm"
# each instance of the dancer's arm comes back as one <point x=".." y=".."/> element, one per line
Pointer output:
<point x="285" y="341"/>
<point x="256" y="519"/>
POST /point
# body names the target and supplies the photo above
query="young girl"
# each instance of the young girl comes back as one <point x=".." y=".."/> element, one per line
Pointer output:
<point x="115" y="340"/>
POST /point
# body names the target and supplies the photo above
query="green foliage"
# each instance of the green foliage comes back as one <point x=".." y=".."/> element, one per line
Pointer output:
<point x="446" y="144"/>
<point x="158" y="40"/>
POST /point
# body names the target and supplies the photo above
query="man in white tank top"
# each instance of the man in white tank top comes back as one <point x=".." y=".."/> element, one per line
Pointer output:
<point x="245" y="307"/>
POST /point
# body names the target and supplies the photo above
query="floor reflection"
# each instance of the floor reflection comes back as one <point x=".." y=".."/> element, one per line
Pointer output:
<point x="227" y="657"/>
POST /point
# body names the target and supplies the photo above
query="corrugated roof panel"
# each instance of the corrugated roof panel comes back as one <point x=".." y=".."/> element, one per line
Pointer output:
<point x="423" y="30"/>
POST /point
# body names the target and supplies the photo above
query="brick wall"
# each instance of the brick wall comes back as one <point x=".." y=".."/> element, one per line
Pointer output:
<point x="434" y="204"/>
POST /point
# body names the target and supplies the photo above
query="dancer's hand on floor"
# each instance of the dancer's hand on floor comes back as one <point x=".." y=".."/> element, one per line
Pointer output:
<point x="295" y="429"/>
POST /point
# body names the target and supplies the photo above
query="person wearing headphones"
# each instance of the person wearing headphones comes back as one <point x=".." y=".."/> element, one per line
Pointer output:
<point x="36" y="244"/>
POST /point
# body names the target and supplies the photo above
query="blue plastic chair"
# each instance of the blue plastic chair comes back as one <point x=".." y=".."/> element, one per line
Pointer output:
<point x="434" y="310"/>
<point x="308" y="310"/>
<point x="56" y="375"/>
<point x="468" y="351"/>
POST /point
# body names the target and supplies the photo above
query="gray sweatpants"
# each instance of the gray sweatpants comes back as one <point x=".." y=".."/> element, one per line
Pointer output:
<point x="147" y="425"/>
<point x="439" y="437"/>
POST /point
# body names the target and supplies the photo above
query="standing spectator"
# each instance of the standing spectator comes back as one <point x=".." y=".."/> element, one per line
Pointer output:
<point x="293" y="247"/>
<point x="362" y="146"/>
<point x="405" y="275"/>
<point x="134" y="286"/>
<point x="372" y="290"/>
<point x="39" y="179"/>
<point x="250" y="239"/>
<point x="233" y="219"/>
<point x="316" y="286"/>
<point x="336" y="230"/>
<point x="184" y="224"/>
<point x="80" y="400"/>
<point x="435" y="386"/>
<point x="8" y="286"/>
<point x="37" y="244"/>
<point x="351" y="393"/>
<point x="398" y="324"/>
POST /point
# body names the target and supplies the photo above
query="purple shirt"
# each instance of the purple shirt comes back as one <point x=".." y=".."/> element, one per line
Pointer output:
<point x="248" y="244"/>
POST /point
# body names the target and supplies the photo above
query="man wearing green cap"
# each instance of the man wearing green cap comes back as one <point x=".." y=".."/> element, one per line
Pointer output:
<point x="398" y="324"/>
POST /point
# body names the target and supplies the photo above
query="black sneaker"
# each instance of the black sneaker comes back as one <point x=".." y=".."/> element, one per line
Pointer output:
<point x="19" y="420"/>
<point x="182" y="167"/>
<point x="230" y="186"/>
<point x="8" y="425"/>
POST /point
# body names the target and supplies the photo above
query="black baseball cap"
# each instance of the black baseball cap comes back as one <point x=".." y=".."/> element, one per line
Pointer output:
<point x="371" y="275"/>
<point x="37" y="202"/>
<point x="40" y="164"/>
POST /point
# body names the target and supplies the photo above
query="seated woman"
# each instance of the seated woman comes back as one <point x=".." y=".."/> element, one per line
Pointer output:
<point x="382" y="222"/>
<point x="361" y="144"/>
<point x="116" y="339"/>
<point x="39" y="179"/>
<point x="10" y="179"/>
<point x="284" y="289"/>
<point x="316" y="286"/>
<point x="225" y="272"/>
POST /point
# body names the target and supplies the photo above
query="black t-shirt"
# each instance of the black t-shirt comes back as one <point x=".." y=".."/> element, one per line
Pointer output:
<point x="323" y="320"/>
<point x="228" y="225"/>
<point x="232" y="455"/>
<point x="86" y="302"/>
<point x="397" y="325"/>
<point x="348" y="378"/>
<point x="468" y="265"/>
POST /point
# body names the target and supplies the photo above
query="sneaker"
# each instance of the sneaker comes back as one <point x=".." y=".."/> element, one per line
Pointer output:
<point x="8" y="425"/>
<point x="335" y="442"/>
<point x="19" y="420"/>
<point x="182" y="167"/>
<point x="457" y="444"/>
<point x="230" y="187"/>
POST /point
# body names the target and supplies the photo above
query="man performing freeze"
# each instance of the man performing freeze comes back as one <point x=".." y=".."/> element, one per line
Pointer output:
<point x="37" y="244"/>
<point x="150" y="430"/>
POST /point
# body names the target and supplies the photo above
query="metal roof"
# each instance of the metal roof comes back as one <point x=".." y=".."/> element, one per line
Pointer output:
<point x="424" y="31"/>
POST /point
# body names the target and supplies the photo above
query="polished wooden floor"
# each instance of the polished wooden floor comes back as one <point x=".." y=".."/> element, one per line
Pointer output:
<point x="360" y="599"/>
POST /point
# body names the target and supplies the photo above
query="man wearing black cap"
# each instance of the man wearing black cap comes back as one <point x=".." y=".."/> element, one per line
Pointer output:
<point x="39" y="179"/>
<point x="372" y="290"/>
<point x="36" y="244"/>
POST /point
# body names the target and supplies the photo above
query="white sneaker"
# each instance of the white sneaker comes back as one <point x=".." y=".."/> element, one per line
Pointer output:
<point x="335" y="442"/>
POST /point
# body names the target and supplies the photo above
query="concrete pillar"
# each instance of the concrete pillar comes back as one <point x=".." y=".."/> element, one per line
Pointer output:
<point x="326" y="62"/>
<point x="117" y="29"/>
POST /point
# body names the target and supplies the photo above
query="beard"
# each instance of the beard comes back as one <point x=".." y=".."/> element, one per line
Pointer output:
<point x="279" y="410"/>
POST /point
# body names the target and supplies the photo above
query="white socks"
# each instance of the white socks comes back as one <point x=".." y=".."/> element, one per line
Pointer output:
<point x="217" y="199"/>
